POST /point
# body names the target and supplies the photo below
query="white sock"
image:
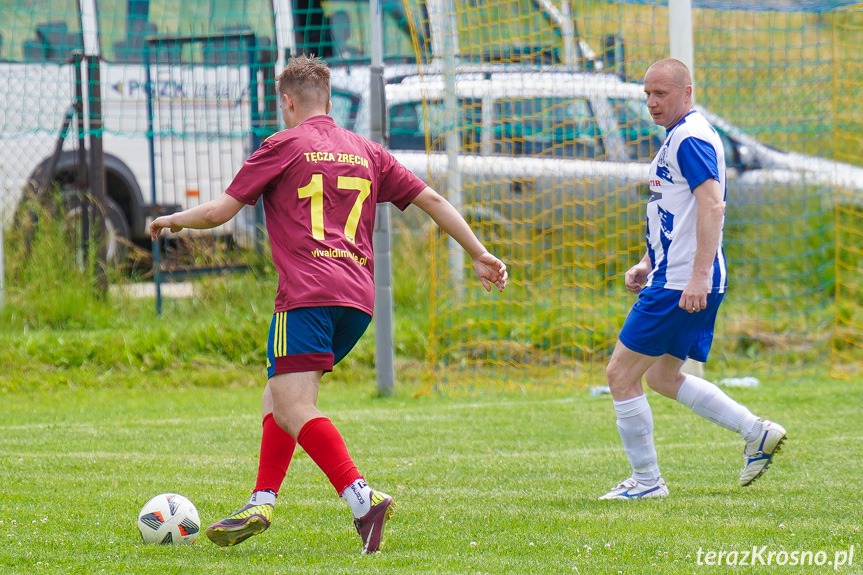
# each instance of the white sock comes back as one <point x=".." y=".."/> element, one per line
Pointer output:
<point x="359" y="496"/>
<point x="262" y="497"/>
<point x="713" y="404"/>
<point x="635" y="425"/>
<point x="752" y="432"/>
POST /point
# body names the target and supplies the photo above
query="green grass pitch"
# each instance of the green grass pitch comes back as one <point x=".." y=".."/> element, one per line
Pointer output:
<point x="493" y="483"/>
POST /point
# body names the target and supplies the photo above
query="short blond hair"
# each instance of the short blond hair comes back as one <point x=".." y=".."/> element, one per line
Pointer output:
<point x="306" y="79"/>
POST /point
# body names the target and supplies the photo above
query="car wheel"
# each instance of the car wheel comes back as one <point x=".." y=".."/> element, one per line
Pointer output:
<point x="76" y="207"/>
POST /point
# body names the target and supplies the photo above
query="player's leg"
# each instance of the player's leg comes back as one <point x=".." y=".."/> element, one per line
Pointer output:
<point x="369" y="518"/>
<point x="371" y="508"/>
<point x="701" y="396"/>
<point x="763" y="438"/>
<point x="650" y="331"/>
<point x="277" y="446"/>
<point x="634" y="424"/>
<point x="276" y="451"/>
<point x="294" y="397"/>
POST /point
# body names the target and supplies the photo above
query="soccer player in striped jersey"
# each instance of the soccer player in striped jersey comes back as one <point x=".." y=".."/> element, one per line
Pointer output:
<point x="680" y="283"/>
<point x="320" y="184"/>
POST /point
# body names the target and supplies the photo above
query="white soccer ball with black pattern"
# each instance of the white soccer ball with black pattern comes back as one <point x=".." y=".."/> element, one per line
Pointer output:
<point x="169" y="519"/>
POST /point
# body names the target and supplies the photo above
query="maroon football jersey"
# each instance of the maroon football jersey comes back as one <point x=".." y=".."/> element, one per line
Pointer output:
<point x="320" y="185"/>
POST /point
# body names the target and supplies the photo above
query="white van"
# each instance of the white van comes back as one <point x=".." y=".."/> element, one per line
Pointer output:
<point x="170" y="151"/>
<point x="176" y="137"/>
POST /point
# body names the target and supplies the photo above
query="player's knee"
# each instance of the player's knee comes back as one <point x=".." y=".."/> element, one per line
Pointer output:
<point x="663" y="382"/>
<point x="286" y="422"/>
<point x="611" y="372"/>
<point x="653" y="380"/>
<point x="617" y="377"/>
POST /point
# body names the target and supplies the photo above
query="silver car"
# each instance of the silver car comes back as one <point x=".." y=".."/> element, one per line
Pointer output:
<point x="539" y="138"/>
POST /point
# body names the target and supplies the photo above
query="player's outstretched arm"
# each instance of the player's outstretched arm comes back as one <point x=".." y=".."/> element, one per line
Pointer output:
<point x="207" y="215"/>
<point x="489" y="269"/>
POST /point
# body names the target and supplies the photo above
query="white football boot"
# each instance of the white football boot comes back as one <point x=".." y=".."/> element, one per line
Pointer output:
<point x="632" y="489"/>
<point x="758" y="454"/>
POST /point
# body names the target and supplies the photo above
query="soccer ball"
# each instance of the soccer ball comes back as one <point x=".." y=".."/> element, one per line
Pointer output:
<point x="169" y="519"/>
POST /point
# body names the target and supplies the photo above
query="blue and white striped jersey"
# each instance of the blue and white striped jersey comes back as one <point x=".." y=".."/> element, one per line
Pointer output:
<point x="692" y="153"/>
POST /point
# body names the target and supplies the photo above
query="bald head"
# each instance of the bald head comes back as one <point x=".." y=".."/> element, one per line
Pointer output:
<point x="668" y="85"/>
<point x="674" y="71"/>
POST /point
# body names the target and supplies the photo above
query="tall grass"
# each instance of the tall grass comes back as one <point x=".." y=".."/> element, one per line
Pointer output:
<point x="51" y="283"/>
<point x="560" y="317"/>
<point x="58" y="329"/>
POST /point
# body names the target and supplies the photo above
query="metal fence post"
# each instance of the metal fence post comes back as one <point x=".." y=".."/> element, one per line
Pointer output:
<point x="97" y="172"/>
<point x="384" y="347"/>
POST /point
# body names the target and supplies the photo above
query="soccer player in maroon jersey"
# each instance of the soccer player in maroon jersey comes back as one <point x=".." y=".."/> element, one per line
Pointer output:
<point x="320" y="184"/>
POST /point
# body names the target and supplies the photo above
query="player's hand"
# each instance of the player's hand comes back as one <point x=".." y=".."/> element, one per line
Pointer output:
<point x="636" y="276"/>
<point x="490" y="270"/>
<point x="694" y="296"/>
<point x="160" y="223"/>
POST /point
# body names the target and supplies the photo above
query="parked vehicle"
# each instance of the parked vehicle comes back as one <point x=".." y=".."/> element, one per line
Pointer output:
<point x="541" y="136"/>
<point x="201" y="102"/>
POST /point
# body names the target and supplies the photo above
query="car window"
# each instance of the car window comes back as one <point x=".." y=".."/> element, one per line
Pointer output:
<point x="39" y="31"/>
<point x="408" y="130"/>
<point x="546" y="127"/>
<point x="732" y="157"/>
<point x="642" y="136"/>
<point x="124" y="26"/>
<point x="350" y="29"/>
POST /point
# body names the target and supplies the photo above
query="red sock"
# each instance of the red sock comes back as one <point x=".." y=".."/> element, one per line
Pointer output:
<point x="324" y="444"/>
<point x="277" y="448"/>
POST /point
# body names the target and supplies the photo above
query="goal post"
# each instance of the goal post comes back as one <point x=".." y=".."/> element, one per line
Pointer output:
<point x="680" y="48"/>
<point x="847" y="349"/>
<point x="680" y="34"/>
